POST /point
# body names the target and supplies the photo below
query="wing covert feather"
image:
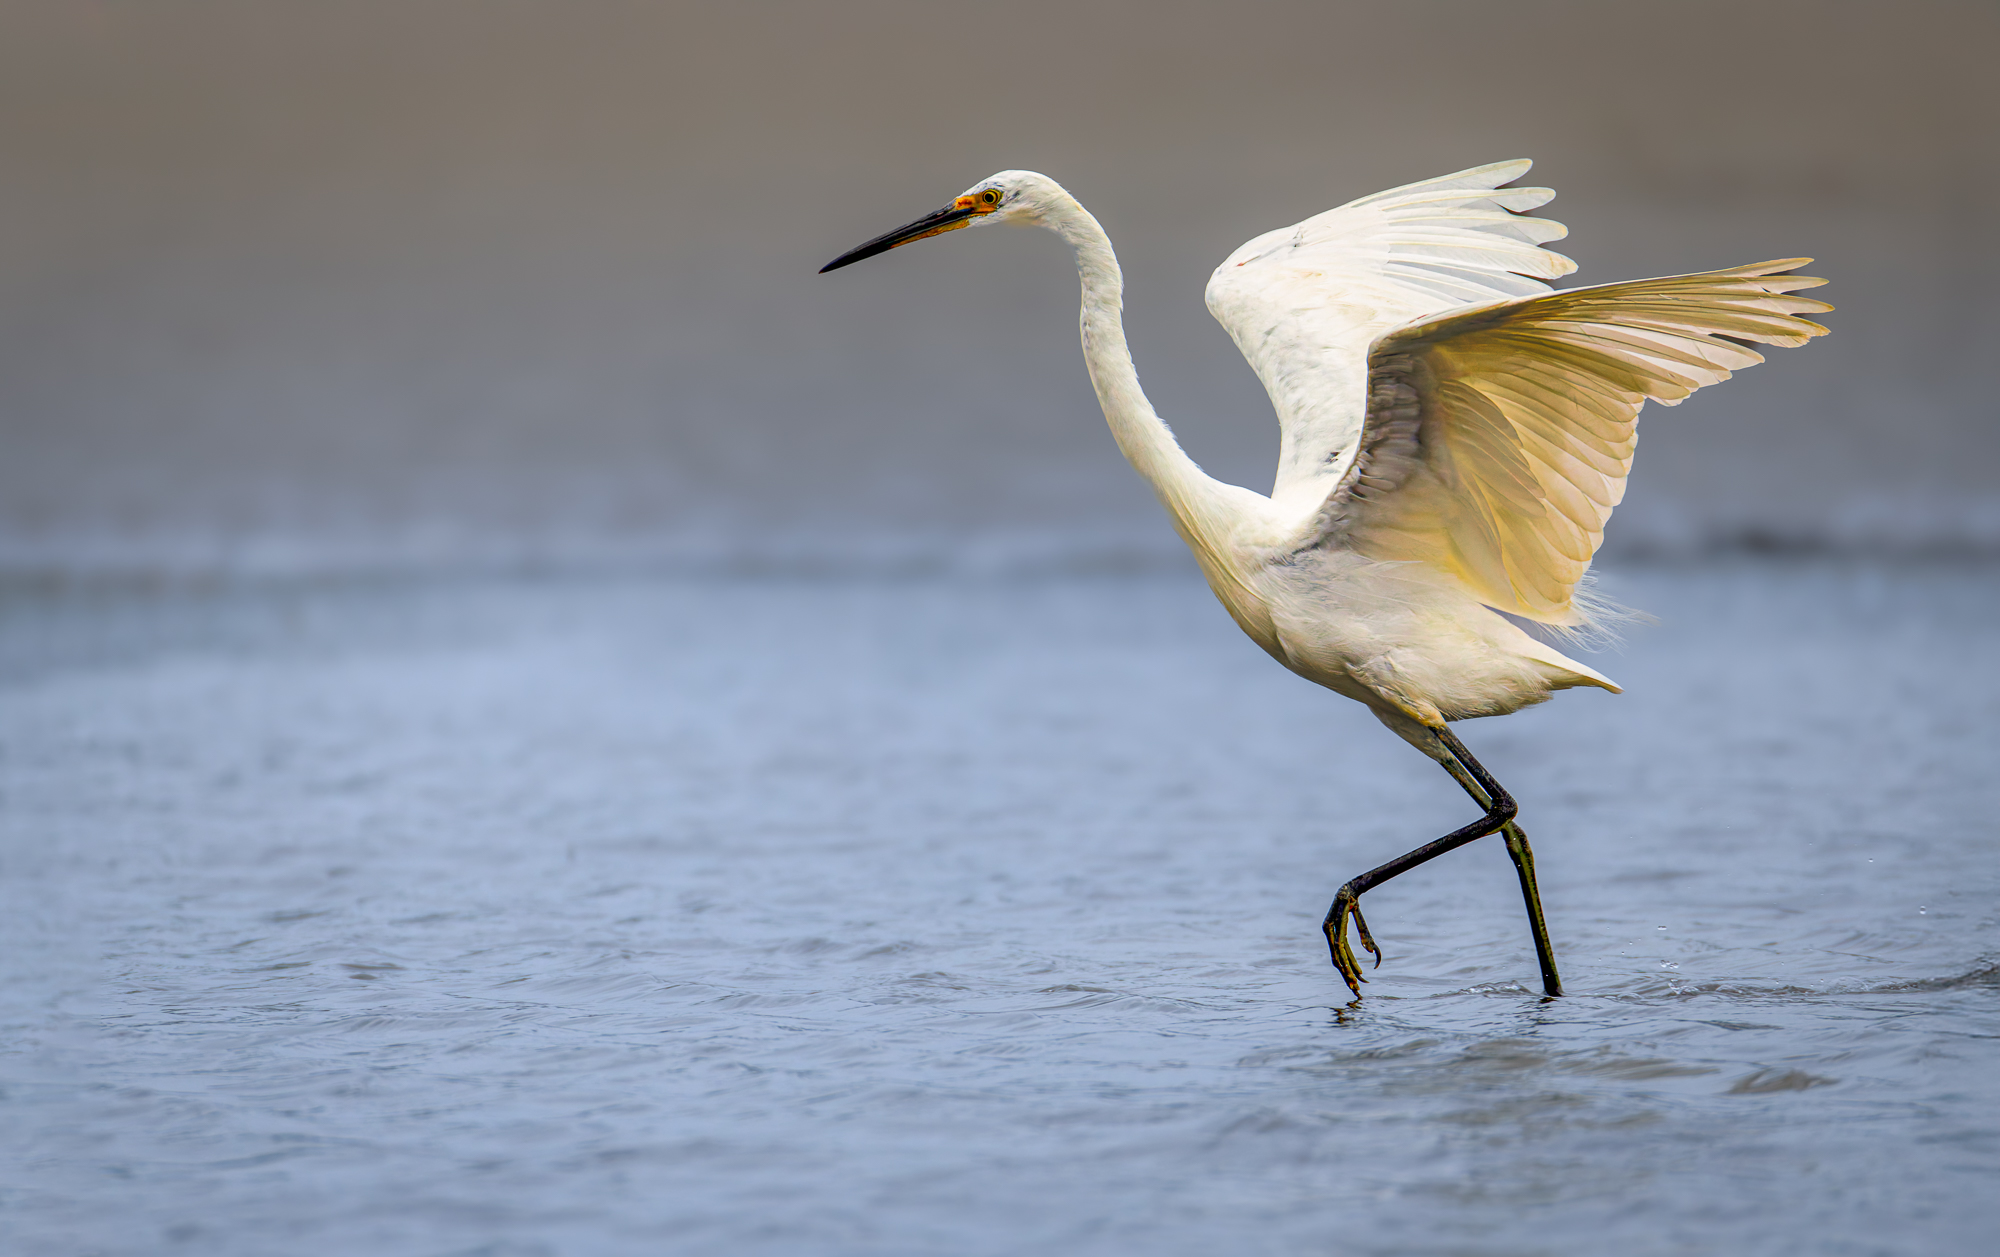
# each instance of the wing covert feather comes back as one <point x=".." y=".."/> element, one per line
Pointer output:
<point x="1304" y="303"/>
<point x="1498" y="437"/>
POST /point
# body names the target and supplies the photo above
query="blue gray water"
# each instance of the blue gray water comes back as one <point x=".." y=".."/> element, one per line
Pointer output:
<point x="708" y="915"/>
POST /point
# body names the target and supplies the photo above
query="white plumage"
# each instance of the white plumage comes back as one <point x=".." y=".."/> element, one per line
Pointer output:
<point x="1455" y="434"/>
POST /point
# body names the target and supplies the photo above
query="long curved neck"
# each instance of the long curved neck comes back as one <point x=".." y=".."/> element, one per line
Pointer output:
<point x="1144" y="438"/>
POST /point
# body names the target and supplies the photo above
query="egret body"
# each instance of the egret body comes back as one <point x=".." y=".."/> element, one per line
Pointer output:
<point x="1455" y="433"/>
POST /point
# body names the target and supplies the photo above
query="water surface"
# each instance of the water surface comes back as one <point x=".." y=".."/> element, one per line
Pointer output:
<point x="615" y="914"/>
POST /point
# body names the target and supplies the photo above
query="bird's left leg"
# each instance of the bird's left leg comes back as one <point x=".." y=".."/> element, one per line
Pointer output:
<point x="1523" y="856"/>
<point x="1500" y="809"/>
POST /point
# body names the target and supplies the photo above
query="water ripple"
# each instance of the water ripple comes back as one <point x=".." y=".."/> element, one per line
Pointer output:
<point x="555" y="917"/>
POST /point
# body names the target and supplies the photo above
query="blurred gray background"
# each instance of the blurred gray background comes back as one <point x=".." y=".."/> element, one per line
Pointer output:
<point x="291" y="282"/>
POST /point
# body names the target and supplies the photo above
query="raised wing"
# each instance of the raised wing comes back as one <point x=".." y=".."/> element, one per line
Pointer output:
<point x="1305" y="303"/>
<point x="1498" y="438"/>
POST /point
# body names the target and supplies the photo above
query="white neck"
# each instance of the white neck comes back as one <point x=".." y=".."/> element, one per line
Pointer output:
<point x="1144" y="438"/>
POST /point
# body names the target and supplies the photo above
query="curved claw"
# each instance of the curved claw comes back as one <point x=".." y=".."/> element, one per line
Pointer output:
<point x="1347" y="903"/>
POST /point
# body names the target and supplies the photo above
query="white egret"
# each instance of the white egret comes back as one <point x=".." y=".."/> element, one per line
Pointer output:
<point x="1455" y="432"/>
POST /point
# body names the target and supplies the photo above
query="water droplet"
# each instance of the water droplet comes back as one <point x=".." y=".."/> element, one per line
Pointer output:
<point x="1922" y="911"/>
<point x="1663" y="927"/>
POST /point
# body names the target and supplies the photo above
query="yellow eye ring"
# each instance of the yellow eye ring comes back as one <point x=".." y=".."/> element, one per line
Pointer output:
<point x="990" y="197"/>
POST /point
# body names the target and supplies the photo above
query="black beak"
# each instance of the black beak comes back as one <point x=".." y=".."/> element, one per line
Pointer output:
<point x="948" y="219"/>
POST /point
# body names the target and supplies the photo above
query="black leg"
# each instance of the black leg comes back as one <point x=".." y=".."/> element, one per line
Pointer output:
<point x="1500" y="810"/>
<point x="1523" y="857"/>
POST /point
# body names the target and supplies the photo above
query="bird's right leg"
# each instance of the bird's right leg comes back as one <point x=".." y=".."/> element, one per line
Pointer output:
<point x="1500" y="810"/>
<point x="1523" y="856"/>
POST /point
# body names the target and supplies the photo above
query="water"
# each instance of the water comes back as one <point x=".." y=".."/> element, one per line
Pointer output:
<point x="605" y="914"/>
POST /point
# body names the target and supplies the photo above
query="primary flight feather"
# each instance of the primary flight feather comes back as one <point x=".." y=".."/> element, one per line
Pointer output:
<point x="1455" y="434"/>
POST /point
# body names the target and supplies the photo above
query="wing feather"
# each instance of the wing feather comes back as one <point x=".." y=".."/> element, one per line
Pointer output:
<point x="1498" y="437"/>
<point x="1304" y="303"/>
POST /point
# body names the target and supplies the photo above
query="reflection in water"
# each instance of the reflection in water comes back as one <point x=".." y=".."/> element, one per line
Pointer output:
<point x="978" y="916"/>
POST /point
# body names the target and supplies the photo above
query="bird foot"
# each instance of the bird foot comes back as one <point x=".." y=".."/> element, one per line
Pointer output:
<point x="1347" y="903"/>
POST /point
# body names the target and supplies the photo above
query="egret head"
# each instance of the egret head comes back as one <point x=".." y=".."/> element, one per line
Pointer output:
<point x="1017" y="196"/>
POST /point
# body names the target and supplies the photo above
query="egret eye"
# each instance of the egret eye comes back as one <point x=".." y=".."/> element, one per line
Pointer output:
<point x="990" y="197"/>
